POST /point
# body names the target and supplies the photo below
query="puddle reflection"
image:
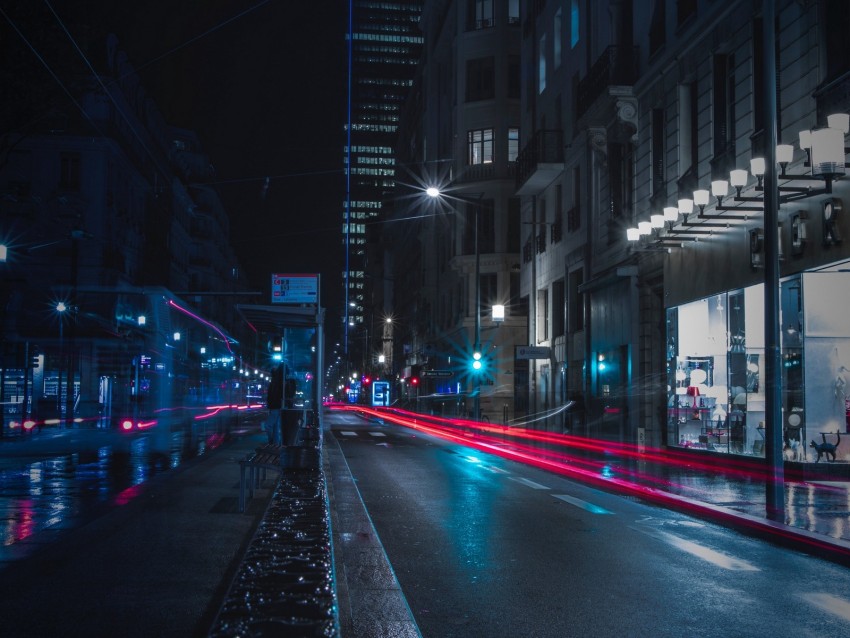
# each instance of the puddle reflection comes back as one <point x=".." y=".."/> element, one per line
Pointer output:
<point x="54" y="492"/>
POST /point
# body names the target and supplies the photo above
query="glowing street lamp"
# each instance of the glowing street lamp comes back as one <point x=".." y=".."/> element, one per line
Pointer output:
<point x="434" y="192"/>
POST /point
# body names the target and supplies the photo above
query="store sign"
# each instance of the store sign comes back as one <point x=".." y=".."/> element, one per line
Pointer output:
<point x="532" y="352"/>
<point x="436" y="373"/>
<point x="295" y="289"/>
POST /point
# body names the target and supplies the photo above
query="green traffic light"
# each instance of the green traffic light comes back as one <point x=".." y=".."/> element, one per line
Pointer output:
<point x="476" y="360"/>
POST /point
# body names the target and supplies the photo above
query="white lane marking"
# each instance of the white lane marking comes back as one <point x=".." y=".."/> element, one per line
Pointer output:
<point x="701" y="551"/>
<point x="527" y="483"/>
<point x="376" y="434"/>
<point x="348" y="433"/>
<point x="589" y="507"/>
<point x="495" y="470"/>
<point x="832" y="604"/>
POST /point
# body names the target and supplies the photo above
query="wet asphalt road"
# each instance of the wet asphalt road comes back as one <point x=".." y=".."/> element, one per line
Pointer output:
<point x="489" y="547"/>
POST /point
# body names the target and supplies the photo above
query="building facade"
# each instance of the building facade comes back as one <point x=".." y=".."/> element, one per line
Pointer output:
<point x="104" y="204"/>
<point x="461" y="136"/>
<point x="651" y="296"/>
<point x="384" y="48"/>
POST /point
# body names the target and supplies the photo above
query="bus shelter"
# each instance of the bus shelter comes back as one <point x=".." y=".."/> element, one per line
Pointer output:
<point x="293" y="336"/>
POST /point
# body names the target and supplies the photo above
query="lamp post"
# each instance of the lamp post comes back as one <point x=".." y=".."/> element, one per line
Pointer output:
<point x="434" y="192"/>
<point x="60" y="308"/>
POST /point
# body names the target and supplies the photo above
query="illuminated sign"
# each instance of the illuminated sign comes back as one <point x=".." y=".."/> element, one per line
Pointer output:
<point x="295" y="289"/>
<point x="532" y="352"/>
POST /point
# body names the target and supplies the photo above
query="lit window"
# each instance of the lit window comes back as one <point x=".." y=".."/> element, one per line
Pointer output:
<point x="541" y="65"/>
<point x="480" y="144"/>
<point x="513" y="144"/>
<point x="513" y="11"/>
<point x="574" y="23"/>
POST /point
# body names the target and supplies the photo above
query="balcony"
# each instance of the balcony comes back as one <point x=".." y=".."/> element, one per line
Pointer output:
<point x="617" y="66"/>
<point x="540" y="162"/>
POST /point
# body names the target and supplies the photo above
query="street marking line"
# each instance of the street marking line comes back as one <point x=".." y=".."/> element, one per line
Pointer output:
<point x="495" y="470"/>
<point x="348" y="433"/>
<point x="834" y="605"/>
<point x="528" y="483"/>
<point x="701" y="551"/>
<point x="588" y="507"/>
<point x="376" y="434"/>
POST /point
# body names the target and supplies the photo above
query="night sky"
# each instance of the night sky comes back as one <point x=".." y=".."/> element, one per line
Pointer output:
<point x="263" y="83"/>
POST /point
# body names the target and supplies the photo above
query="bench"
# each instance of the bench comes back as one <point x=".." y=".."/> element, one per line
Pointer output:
<point x="265" y="457"/>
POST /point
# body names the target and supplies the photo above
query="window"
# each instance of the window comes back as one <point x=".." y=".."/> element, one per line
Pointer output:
<point x="575" y="25"/>
<point x="657" y="152"/>
<point x="480" y="79"/>
<point x="481" y="14"/>
<point x="557" y="228"/>
<point x="576" y="302"/>
<point x="542" y="315"/>
<point x="834" y="36"/>
<point x="688" y="144"/>
<point x="574" y="214"/>
<point x="480" y="145"/>
<point x="724" y="99"/>
<point x="558" y="308"/>
<point x="69" y="171"/>
<point x="684" y="10"/>
<point x="513" y="11"/>
<point x="657" y="26"/>
<point x="556" y="39"/>
<point x="541" y="65"/>
<point x="486" y="230"/>
<point x="513" y="144"/>
<point x="518" y="306"/>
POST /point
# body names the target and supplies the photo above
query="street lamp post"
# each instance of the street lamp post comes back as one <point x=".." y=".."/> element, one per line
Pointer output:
<point x="477" y="364"/>
<point x="60" y="308"/>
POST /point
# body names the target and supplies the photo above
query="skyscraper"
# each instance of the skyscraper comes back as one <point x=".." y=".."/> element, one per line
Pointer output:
<point x="384" y="45"/>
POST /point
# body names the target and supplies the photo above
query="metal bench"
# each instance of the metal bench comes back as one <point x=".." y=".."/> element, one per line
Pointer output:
<point x="265" y="457"/>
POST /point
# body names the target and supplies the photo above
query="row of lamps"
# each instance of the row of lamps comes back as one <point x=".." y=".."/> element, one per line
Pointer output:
<point x="825" y="154"/>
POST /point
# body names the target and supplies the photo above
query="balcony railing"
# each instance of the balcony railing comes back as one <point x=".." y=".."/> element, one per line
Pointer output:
<point x="617" y="66"/>
<point x="546" y="147"/>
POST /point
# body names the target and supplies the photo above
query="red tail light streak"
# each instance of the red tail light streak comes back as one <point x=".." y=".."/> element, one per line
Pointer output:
<point x="566" y="455"/>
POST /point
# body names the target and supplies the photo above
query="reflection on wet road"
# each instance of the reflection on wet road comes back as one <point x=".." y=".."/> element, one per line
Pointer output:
<point x="98" y="469"/>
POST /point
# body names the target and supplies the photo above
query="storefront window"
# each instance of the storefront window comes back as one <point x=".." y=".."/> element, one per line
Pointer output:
<point x="716" y="368"/>
<point x="716" y="352"/>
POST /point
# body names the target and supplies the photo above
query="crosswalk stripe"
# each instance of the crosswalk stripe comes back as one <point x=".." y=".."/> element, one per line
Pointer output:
<point x="348" y="433"/>
<point x="377" y="434"/>
<point x="589" y="507"/>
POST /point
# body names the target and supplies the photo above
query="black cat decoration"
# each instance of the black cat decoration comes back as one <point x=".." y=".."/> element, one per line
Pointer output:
<point x="826" y="449"/>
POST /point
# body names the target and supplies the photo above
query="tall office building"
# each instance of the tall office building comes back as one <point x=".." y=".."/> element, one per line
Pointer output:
<point x="384" y="48"/>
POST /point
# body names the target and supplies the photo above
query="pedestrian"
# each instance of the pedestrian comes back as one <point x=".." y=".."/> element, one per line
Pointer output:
<point x="274" y="403"/>
<point x="290" y="423"/>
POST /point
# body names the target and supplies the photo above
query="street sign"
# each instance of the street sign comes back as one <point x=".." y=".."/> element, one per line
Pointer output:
<point x="295" y="289"/>
<point x="436" y="373"/>
<point x="532" y="352"/>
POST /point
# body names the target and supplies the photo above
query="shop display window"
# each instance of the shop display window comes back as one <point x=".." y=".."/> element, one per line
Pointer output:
<point x="716" y="352"/>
